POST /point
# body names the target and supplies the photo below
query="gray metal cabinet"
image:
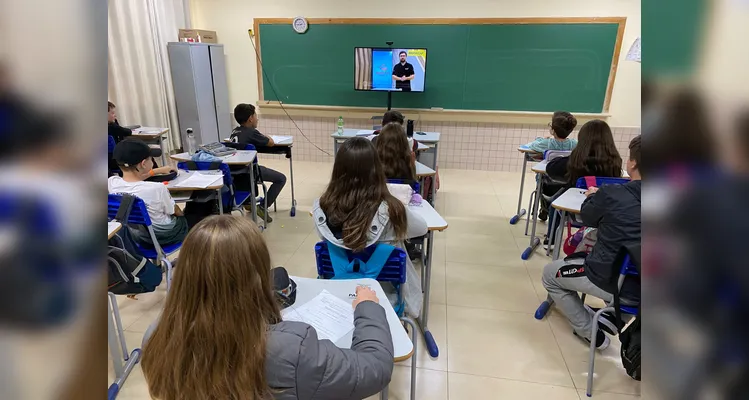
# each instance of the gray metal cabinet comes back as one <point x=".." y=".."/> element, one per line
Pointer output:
<point x="200" y="89"/>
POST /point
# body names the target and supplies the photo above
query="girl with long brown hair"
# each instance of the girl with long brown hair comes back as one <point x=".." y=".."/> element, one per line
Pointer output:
<point x="396" y="157"/>
<point x="357" y="210"/>
<point x="595" y="155"/>
<point x="220" y="335"/>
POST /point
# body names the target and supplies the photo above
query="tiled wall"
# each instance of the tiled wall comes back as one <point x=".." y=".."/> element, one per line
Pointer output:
<point x="476" y="146"/>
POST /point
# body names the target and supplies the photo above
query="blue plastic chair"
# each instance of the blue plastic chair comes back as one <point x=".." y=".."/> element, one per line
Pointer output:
<point x="258" y="176"/>
<point x="110" y="150"/>
<point x="235" y="198"/>
<point x="394" y="270"/>
<point x="139" y="216"/>
<point x="600" y="180"/>
<point x="626" y="269"/>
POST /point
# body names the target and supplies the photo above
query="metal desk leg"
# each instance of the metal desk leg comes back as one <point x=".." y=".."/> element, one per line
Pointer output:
<point x="414" y="356"/>
<point x="253" y="194"/>
<point x="514" y="220"/>
<point x="336" y="145"/>
<point x="558" y="238"/>
<point x="434" y="161"/>
<point x="291" y="172"/>
<point x="220" y="202"/>
<point x="114" y="345"/>
<point x="533" y="214"/>
<point x="424" y="318"/>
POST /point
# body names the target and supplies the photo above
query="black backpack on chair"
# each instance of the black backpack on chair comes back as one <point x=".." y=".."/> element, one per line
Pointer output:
<point x="632" y="349"/>
<point x="128" y="271"/>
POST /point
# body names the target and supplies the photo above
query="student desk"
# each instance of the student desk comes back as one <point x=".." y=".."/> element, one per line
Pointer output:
<point x="284" y="147"/>
<point x="429" y="140"/>
<point x="112" y="228"/>
<point x="152" y="135"/>
<point x="240" y="158"/>
<point x="569" y="203"/>
<point x="528" y="155"/>
<point x="345" y="289"/>
<point x="217" y="185"/>
<point x="539" y="169"/>
<point x="435" y="223"/>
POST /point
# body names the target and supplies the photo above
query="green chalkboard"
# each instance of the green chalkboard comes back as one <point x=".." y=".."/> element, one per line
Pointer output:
<point x="503" y="66"/>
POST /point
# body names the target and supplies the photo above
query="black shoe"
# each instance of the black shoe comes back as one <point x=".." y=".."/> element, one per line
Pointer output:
<point x="607" y="322"/>
<point x="547" y="246"/>
<point x="602" y="341"/>
<point x="263" y="214"/>
<point x="543" y="215"/>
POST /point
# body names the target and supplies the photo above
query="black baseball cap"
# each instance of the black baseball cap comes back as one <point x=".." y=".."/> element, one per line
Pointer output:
<point x="131" y="151"/>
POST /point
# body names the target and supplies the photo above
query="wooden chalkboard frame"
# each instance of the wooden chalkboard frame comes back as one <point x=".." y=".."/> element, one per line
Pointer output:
<point x="620" y="21"/>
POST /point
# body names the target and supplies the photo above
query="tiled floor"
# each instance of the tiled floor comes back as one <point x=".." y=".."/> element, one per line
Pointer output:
<point x="482" y="302"/>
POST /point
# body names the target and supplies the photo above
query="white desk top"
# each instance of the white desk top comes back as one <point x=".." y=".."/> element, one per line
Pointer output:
<point x="540" y="168"/>
<point x="149" y="132"/>
<point x="427" y="137"/>
<point x="434" y="220"/>
<point x="421" y="146"/>
<point x="308" y="288"/>
<point x="112" y="228"/>
<point x="570" y="201"/>
<point x="524" y="149"/>
<point x="422" y="170"/>
<point x="182" y="175"/>
<point x="241" y="157"/>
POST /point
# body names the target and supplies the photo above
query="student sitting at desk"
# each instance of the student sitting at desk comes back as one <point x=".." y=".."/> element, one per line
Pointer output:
<point x="247" y="133"/>
<point x="561" y="126"/>
<point x="113" y="126"/>
<point x="134" y="157"/>
<point x="221" y="336"/>
<point x="594" y="155"/>
<point x="357" y="211"/>
<point x="398" y="161"/>
<point x="615" y="211"/>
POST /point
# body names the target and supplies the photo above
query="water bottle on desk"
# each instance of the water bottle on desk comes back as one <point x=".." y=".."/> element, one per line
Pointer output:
<point x="340" y="125"/>
<point x="192" y="146"/>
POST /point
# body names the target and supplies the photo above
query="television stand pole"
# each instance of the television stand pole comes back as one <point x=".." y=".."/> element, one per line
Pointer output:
<point x="390" y="99"/>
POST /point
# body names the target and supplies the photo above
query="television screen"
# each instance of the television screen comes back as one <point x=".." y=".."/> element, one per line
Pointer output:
<point x="390" y="69"/>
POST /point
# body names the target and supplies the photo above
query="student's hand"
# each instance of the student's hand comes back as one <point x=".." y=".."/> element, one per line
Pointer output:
<point x="364" y="293"/>
<point x="591" y="190"/>
<point x="163" y="170"/>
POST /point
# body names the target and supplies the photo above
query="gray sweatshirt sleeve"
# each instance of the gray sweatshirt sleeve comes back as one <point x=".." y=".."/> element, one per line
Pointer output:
<point x="354" y="373"/>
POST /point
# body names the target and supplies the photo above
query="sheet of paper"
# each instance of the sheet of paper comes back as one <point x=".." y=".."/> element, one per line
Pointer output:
<point x="281" y="139"/>
<point x="331" y="317"/>
<point x="196" y="180"/>
<point x="148" y="130"/>
<point x="634" y="53"/>
<point x="365" y="132"/>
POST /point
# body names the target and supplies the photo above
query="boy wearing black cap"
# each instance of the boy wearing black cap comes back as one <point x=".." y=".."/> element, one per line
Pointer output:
<point x="134" y="158"/>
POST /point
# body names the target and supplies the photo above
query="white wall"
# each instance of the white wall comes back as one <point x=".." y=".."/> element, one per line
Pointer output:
<point x="232" y="18"/>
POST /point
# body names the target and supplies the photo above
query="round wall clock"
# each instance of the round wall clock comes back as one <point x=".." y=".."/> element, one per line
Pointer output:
<point x="300" y="25"/>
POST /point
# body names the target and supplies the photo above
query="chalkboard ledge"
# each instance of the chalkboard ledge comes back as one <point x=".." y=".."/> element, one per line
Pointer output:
<point x="426" y="114"/>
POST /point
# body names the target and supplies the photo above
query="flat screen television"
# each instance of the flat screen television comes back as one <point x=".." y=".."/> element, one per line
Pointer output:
<point x="390" y="69"/>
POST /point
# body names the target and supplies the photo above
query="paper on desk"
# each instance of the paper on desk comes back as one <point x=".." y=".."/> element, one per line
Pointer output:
<point x="281" y="139"/>
<point x="331" y="317"/>
<point x="196" y="180"/>
<point x="148" y="130"/>
<point x="365" y="132"/>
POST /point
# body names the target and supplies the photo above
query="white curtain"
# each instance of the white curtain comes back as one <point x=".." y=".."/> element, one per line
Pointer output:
<point x="140" y="83"/>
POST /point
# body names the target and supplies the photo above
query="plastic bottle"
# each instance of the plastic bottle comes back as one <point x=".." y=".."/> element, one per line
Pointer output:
<point x="340" y="125"/>
<point x="192" y="146"/>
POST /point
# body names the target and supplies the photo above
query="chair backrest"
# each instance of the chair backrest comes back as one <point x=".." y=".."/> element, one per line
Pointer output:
<point x="628" y="268"/>
<point x="138" y="215"/>
<point x="552" y="154"/>
<point x="584" y="182"/>
<point x="414" y="185"/>
<point x="393" y="271"/>
<point x="110" y="144"/>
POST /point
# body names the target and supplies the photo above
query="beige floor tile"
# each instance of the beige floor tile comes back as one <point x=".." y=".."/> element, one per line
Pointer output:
<point x="476" y="206"/>
<point x="504" y="344"/>
<point x="504" y="288"/>
<point x="471" y="387"/>
<point x="482" y="249"/>
<point x="430" y="384"/>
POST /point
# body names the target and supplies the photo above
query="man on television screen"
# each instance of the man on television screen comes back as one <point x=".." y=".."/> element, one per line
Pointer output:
<point x="403" y="73"/>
